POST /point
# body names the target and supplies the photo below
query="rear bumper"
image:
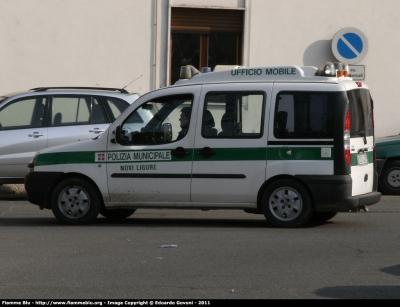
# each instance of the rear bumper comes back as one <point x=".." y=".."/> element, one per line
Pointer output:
<point x="38" y="186"/>
<point x="333" y="193"/>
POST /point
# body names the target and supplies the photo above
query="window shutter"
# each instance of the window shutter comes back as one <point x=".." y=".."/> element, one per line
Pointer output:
<point x="206" y="21"/>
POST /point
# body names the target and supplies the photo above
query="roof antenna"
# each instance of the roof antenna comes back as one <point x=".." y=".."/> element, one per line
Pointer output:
<point x="132" y="81"/>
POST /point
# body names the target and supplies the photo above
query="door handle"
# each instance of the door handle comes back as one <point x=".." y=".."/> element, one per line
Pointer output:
<point x="206" y="152"/>
<point x="35" y="134"/>
<point x="96" y="130"/>
<point x="179" y="152"/>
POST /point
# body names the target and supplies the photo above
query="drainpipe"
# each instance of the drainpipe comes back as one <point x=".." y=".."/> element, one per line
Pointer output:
<point x="155" y="45"/>
<point x="246" y="36"/>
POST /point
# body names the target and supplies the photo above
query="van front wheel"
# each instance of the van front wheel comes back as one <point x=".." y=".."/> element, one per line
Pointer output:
<point x="75" y="201"/>
<point x="287" y="204"/>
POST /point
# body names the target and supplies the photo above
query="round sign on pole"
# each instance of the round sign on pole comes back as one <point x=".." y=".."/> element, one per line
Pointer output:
<point x="349" y="46"/>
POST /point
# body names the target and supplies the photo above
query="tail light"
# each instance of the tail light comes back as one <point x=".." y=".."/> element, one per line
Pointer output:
<point x="346" y="136"/>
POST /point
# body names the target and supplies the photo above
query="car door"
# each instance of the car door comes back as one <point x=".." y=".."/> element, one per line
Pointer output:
<point x="149" y="161"/>
<point x="75" y="117"/>
<point x="22" y="134"/>
<point x="229" y="164"/>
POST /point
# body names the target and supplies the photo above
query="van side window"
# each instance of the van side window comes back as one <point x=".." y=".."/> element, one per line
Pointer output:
<point x="158" y="121"/>
<point x="304" y="115"/>
<point x="233" y="115"/>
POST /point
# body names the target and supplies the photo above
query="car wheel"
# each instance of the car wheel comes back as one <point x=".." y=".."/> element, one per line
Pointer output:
<point x="75" y="201"/>
<point x="117" y="214"/>
<point x="322" y="216"/>
<point x="287" y="204"/>
<point x="389" y="180"/>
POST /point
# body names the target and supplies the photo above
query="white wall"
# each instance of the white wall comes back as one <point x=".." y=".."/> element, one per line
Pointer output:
<point x="75" y="43"/>
<point x="300" y="33"/>
<point x="112" y="42"/>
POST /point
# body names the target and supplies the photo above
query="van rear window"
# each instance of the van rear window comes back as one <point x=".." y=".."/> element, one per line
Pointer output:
<point x="304" y="115"/>
<point x="361" y="109"/>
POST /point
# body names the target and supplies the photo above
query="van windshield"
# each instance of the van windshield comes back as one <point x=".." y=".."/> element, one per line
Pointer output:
<point x="361" y="108"/>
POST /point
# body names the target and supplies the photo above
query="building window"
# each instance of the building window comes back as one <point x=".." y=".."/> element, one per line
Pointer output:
<point x="205" y="38"/>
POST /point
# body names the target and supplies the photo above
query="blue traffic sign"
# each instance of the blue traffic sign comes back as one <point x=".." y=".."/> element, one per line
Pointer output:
<point x="349" y="45"/>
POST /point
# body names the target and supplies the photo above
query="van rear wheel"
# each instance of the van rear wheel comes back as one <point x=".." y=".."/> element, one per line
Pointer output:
<point x="75" y="201"/>
<point x="287" y="204"/>
<point x="389" y="179"/>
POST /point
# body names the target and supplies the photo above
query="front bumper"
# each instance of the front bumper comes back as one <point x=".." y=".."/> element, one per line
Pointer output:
<point x="38" y="187"/>
<point x="333" y="193"/>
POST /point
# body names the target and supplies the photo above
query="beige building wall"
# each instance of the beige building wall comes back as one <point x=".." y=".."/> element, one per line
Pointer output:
<point x="111" y="43"/>
<point x="76" y="43"/>
<point x="300" y="32"/>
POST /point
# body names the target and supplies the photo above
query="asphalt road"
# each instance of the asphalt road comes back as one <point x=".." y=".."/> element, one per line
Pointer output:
<point x="214" y="255"/>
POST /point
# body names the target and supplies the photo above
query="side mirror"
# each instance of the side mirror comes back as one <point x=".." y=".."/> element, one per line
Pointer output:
<point x="167" y="132"/>
<point x="118" y="135"/>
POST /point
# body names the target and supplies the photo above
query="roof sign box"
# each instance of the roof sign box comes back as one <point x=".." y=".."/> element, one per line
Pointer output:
<point x="328" y="72"/>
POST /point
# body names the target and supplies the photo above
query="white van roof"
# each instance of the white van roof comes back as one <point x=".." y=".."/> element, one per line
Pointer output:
<point x="325" y="73"/>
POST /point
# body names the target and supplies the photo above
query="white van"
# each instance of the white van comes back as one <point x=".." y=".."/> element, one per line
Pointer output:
<point x="293" y="143"/>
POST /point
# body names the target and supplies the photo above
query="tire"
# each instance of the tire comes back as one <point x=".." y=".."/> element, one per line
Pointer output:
<point x="75" y="201"/>
<point x="287" y="204"/>
<point x="117" y="214"/>
<point x="322" y="216"/>
<point x="389" y="179"/>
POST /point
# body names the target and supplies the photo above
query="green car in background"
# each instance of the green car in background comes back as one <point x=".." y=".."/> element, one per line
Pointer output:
<point x="388" y="164"/>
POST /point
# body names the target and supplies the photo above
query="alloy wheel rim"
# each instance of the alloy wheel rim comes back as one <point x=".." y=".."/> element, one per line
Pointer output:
<point x="285" y="204"/>
<point x="73" y="202"/>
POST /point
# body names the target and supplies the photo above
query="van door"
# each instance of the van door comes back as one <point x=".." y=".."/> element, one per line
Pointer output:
<point x="151" y="161"/>
<point x="231" y="144"/>
<point x="302" y="132"/>
<point x="361" y="140"/>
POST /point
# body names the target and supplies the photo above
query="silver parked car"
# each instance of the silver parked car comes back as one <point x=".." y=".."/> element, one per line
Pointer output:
<point x="50" y="116"/>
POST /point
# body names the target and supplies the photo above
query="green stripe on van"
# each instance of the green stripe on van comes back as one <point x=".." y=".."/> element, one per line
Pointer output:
<point x="221" y="154"/>
<point x="65" y="158"/>
<point x="298" y="153"/>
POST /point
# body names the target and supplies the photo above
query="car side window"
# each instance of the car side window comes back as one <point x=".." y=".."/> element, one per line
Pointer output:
<point x="23" y="113"/>
<point x="76" y="110"/>
<point x="114" y="107"/>
<point x="233" y="115"/>
<point x="158" y="121"/>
